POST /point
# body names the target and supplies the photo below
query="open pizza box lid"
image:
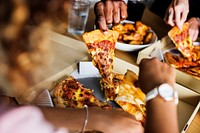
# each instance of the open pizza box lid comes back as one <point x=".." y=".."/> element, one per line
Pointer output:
<point x="182" y="78"/>
<point x="65" y="54"/>
<point x="72" y="52"/>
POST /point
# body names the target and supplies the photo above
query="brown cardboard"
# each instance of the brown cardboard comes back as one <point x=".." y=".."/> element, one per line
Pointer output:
<point x="181" y="78"/>
<point x="65" y="54"/>
<point x="188" y="98"/>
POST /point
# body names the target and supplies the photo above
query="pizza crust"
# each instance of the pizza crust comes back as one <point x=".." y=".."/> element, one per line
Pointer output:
<point x="98" y="36"/>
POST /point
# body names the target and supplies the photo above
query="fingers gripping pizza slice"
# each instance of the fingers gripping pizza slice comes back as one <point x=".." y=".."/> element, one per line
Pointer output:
<point x="182" y="40"/>
<point x="101" y="48"/>
<point x="190" y="61"/>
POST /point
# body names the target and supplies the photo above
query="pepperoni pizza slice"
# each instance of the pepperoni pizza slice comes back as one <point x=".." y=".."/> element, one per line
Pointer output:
<point x="71" y="93"/>
<point x="101" y="48"/>
<point x="182" y="40"/>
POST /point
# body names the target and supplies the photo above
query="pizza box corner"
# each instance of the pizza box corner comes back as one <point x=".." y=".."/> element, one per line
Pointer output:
<point x="181" y="78"/>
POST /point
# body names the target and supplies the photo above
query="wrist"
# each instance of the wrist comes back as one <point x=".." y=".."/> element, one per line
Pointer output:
<point x="164" y="92"/>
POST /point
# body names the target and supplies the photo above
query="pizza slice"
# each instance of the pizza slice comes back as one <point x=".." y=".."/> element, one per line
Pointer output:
<point x="101" y="48"/>
<point x="178" y="62"/>
<point x="193" y="71"/>
<point x="182" y="40"/>
<point x="111" y="89"/>
<point x="130" y="97"/>
<point x="71" y="93"/>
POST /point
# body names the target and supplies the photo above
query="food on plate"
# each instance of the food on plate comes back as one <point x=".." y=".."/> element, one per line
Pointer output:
<point x="148" y="37"/>
<point x="137" y="33"/>
<point x="123" y="89"/>
<point x="177" y="61"/>
<point x="183" y="64"/>
<point x="189" y="61"/>
<point x="194" y="71"/>
<point x="130" y="97"/>
<point x="101" y="47"/>
<point x="71" y="93"/>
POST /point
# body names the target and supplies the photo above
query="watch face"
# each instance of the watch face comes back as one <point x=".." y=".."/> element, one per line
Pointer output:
<point x="166" y="91"/>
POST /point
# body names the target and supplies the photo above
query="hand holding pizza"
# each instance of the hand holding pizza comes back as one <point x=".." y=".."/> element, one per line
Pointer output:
<point x="160" y="111"/>
<point x="153" y="73"/>
<point x="109" y="12"/>
<point x="177" y="12"/>
<point x="194" y="24"/>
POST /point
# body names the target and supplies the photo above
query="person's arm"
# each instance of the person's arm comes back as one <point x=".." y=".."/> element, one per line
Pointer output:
<point x="194" y="24"/>
<point x="161" y="114"/>
<point x="177" y="12"/>
<point x="109" y="12"/>
<point x="108" y="121"/>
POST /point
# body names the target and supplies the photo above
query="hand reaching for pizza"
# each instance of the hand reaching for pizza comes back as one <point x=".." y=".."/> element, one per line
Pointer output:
<point x="109" y="12"/>
<point x="194" y="24"/>
<point x="177" y="12"/>
<point x="153" y="73"/>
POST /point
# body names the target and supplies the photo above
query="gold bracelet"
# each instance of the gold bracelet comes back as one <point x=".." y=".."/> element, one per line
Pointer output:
<point x="86" y="118"/>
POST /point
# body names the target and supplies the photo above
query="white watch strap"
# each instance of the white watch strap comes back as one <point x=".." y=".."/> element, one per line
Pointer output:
<point x="176" y="97"/>
<point x="151" y="94"/>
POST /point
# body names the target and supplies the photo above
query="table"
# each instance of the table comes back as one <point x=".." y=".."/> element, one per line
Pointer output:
<point x="156" y="23"/>
<point x="130" y="57"/>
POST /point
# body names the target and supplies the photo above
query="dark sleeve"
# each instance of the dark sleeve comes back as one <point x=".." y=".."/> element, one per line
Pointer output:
<point x="194" y="8"/>
<point x="159" y="7"/>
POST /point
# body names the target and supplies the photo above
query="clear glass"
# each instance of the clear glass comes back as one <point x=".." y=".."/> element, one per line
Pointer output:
<point x="78" y="16"/>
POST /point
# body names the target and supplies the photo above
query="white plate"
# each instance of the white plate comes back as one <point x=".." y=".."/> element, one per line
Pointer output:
<point x="132" y="47"/>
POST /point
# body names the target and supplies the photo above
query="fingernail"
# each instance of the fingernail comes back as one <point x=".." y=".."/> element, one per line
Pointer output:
<point x="105" y="32"/>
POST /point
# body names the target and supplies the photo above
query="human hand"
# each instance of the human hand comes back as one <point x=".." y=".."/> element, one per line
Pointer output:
<point x="153" y="73"/>
<point x="194" y="25"/>
<point x="113" y="121"/>
<point x="109" y="12"/>
<point x="177" y="12"/>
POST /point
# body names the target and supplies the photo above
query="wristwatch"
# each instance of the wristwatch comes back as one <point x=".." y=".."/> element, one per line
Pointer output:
<point x="165" y="91"/>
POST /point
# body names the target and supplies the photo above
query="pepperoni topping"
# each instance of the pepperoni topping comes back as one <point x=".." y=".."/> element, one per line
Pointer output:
<point x="180" y="37"/>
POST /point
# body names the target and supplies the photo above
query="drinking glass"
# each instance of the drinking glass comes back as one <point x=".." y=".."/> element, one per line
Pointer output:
<point x="78" y="16"/>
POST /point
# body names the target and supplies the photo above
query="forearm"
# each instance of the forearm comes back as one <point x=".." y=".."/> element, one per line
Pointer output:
<point x="161" y="116"/>
<point x="72" y="119"/>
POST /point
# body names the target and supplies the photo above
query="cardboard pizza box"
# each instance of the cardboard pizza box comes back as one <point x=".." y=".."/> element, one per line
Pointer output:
<point x="193" y="125"/>
<point x="188" y="99"/>
<point x="67" y="64"/>
<point x="65" y="54"/>
<point x="182" y="78"/>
